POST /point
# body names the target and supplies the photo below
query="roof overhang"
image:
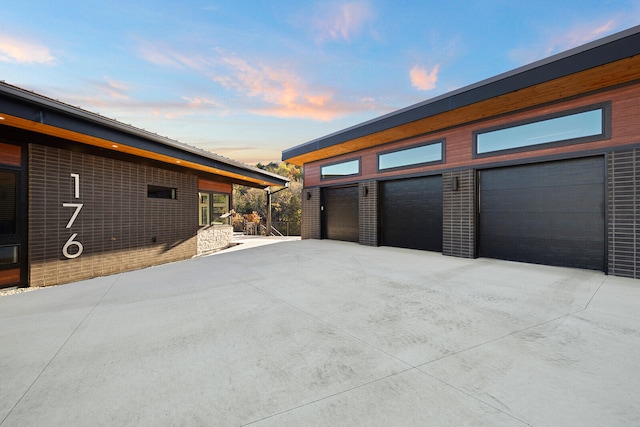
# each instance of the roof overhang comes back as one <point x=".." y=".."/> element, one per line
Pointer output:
<point x="35" y="113"/>
<point x="607" y="62"/>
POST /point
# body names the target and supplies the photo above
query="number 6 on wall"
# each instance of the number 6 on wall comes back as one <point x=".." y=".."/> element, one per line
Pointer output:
<point x="68" y="244"/>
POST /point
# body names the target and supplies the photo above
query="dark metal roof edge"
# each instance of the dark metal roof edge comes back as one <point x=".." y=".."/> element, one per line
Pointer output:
<point x="43" y="101"/>
<point x="446" y="101"/>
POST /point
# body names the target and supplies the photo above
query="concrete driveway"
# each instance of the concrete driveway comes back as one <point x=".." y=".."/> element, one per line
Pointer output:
<point x="315" y="333"/>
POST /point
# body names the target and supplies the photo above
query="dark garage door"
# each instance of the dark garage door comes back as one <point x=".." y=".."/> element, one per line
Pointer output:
<point x="340" y="214"/>
<point x="549" y="213"/>
<point x="411" y="213"/>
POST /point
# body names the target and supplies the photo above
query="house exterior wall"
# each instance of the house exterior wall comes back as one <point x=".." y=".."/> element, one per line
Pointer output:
<point x="119" y="227"/>
<point x="214" y="237"/>
<point x="368" y="213"/>
<point x="621" y="149"/>
<point x="310" y="200"/>
<point x="623" y="213"/>
<point x="459" y="214"/>
<point x="625" y="104"/>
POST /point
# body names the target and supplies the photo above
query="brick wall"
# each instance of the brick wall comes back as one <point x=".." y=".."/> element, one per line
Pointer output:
<point x="459" y="213"/>
<point x="368" y="213"/>
<point x="119" y="227"/>
<point x="623" y="206"/>
<point x="311" y="213"/>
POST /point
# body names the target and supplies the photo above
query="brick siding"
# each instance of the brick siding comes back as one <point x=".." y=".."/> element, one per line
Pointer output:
<point x="623" y="206"/>
<point x="311" y="222"/>
<point x="368" y="213"/>
<point x="119" y="227"/>
<point x="459" y="214"/>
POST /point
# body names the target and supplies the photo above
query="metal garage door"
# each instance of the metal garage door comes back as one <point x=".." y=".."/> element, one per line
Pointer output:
<point x="411" y="213"/>
<point x="550" y="213"/>
<point x="340" y="213"/>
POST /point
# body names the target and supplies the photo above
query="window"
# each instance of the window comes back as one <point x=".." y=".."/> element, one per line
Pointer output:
<point x="8" y="255"/>
<point x="584" y="125"/>
<point x="8" y="221"/>
<point x="340" y="170"/>
<point x="203" y="209"/>
<point x="412" y="156"/>
<point x="158" y="192"/>
<point x="211" y="207"/>
<point x="220" y="207"/>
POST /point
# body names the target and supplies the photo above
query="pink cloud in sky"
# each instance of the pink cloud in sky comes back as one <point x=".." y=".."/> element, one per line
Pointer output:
<point x="278" y="90"/>
<point x="284" y="92"/>
<point x="422" y="79"/>
<point x="13" y="49"/>
<point x="115" y="89"/>
<point x="343" y="21"/>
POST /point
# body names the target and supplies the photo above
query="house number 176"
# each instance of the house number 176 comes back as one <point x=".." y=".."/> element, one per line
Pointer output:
<point x="77" y="206"/>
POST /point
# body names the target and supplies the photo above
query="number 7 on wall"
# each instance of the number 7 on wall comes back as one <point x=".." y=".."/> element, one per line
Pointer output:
<point x="78" y="207"/>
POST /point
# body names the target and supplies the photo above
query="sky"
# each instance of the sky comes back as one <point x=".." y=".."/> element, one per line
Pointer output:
<point x="247" y="79"/>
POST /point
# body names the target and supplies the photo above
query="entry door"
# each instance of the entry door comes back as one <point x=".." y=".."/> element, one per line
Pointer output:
<point x="11" y="251"/>
<point x="549" y="213"/>
<point x="340" y="213"/>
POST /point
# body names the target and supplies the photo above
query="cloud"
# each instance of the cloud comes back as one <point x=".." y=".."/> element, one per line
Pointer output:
<point x="275" y="89"/>
<point x="283" y="91"/>
<point x="24" y="51"/>
<point x="564" y="39"/>
<point x="201" y="103"/>
<point x="113" y="89"/>
<point x="422" y="79"/>
<point x="342" y="21"/>
<point x="165" y="56"/>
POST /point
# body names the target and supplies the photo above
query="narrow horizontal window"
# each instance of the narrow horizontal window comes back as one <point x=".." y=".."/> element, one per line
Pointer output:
<point x="158" y="192"/>
<point x="339" y="170"/>
<point x="423" y="154"/>
<point x="577" y="127"/>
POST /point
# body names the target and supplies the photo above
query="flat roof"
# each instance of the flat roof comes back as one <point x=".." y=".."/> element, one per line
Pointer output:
<point x="610" y="49"/>
<point x="37" y="113"/>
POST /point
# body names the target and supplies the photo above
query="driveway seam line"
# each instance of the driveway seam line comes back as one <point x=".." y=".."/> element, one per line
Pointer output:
<point x="604" y="279"/>
<point x="329" y="396"/>
<point x="499" y="338"/>
<point x="472" y="396"/>
<point x="59" y="350"/>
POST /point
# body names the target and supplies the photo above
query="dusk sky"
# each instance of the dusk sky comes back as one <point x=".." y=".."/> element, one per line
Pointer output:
<point x="247" y="79"/>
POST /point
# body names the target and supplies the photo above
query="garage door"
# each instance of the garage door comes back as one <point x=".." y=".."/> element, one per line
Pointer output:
<point x="411" y="213"/>
<point x="549" y="213"/>
<point x="340" y="214"/>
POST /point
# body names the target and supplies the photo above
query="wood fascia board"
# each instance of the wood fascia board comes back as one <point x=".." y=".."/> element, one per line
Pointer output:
<point x="30" y="125"/>
<point x="582" y="83"/>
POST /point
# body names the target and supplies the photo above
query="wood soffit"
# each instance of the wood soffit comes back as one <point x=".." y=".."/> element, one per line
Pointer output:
<point x="29" y="125"/>
<point x="582" y="83"/>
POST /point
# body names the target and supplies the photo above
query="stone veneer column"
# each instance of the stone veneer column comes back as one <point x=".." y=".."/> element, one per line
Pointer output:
<point x="368" y="213"/>
<point x="311" y="213"/>
<point x="459" y="214"/>
<point x="623" y="225"/>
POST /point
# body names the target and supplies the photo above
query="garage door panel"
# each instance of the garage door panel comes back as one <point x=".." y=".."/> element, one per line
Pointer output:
<point x="341" y="213"/>
<point x="561" y="226"/>
<point x="551" y="213"/>
<point x="411" y="213"/>
<point x="544" y="175"/>
<point x="538" y="200"/>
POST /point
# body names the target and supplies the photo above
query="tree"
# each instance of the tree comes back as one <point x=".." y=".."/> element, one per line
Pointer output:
<point x="285" y="204"/>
